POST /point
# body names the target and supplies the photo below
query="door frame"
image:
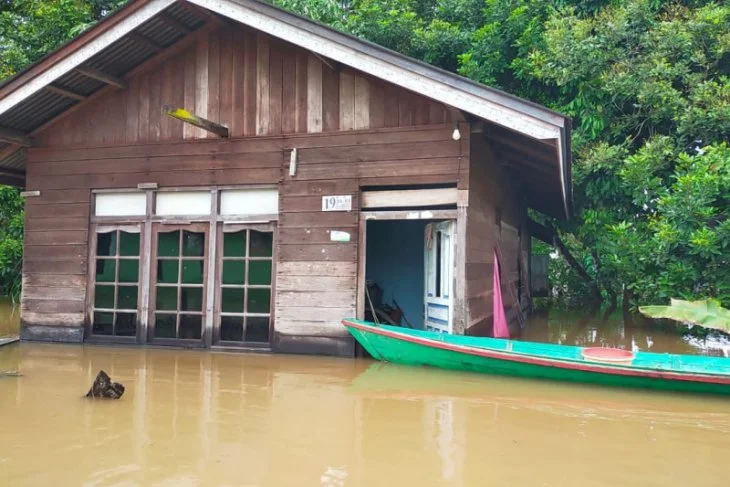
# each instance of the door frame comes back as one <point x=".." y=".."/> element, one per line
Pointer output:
<point x="198" y="227"/>
<point x="404" y="215"/>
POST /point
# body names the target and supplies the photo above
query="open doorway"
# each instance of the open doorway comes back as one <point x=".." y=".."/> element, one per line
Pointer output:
<point x="409" y="273"/>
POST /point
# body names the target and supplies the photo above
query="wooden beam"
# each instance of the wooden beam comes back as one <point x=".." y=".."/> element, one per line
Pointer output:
<point x="187" y="117"/>
<point x="140" y="39"/>
<point x="174" y="23"/>
<point x="9" y="151"/>
<point x="15" y="137"/>
<point x="330" y="64"/>
<point x="103" y="77"/>
<point x="64" y="92"/>
<point x="412" y="198"/>
<point x="409" y="215"/>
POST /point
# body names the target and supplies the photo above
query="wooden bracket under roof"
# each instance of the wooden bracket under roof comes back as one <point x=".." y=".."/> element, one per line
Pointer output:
<point x="103" y="77"/>
<point x="14" y="137"/>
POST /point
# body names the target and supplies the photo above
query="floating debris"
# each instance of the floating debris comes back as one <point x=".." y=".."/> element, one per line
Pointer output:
<point x="104" y="387"/>
<point x="12" y="373"/>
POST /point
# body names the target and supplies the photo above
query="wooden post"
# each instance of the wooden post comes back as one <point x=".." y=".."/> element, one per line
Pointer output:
<point x="187" y="117"/>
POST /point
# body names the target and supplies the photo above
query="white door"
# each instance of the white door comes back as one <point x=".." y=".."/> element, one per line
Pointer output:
<point x="440" y="244"/>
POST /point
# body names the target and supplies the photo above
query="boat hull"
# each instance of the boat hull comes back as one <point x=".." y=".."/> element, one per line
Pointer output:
<point x="390" y="346"/>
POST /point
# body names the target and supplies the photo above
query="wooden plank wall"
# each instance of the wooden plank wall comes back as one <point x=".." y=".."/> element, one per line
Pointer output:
<point x="250" y="82"/>
<point x="316" y="278"/>
<point x="494" y="218"/>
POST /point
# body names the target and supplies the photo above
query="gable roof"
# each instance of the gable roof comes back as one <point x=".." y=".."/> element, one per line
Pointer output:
<point x="32" y="98"/>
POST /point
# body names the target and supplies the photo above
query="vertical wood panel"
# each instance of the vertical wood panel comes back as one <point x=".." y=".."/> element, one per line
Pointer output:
<point x="201" y="82"/>
<point x="238" y="84"/>
<point x="362" y="103"/>
<point x="225" y="115"/>
<point x="390" y="107"/>
<point x="275" y="87"/>
<point x="178" y="94"/>
<point x="214" y="79"/>
<point x="249" y="81"/>
<point x="289" y="92"/>
<point x="301" y="99"/>
<point x="314" y="94"/>
<point x="166" y="99"/>
<point x="143" y="121"/>
<point x="155" y="107"/>
<point x="189" y="88"/>
<point x="133" y="106"/>
<point x="347" y="101"/>
<point x="405" y="110"/>
<point x="330" y="99"/>
<point x="377" y="105"/>
<point x="262" y="85"/>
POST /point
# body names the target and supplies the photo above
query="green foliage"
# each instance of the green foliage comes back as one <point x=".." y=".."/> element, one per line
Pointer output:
<point x="706" y="313"/>
<point x="11" y="240"/>
<point x="29" y="29"/>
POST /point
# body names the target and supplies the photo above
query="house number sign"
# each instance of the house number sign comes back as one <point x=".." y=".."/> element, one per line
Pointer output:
<point x="337" y="203"/>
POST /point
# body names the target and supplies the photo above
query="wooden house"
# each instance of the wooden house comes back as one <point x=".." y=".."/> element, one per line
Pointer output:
<point x="222" y="173"/>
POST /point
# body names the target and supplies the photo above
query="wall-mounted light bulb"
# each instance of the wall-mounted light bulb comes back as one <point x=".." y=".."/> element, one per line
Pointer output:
<point x="456" y="135"/>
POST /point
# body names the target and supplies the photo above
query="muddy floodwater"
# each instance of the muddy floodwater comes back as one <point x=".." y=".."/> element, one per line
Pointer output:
<point x="205" y="418"/>
<point x="9" y="318"/>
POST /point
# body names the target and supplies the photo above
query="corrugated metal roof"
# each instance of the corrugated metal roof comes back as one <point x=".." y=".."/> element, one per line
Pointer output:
<point x="117" y="59"/>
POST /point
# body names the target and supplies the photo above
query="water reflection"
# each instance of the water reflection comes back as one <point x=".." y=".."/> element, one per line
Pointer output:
<point x="584" y="329"/>
<point x="192" y="418"/>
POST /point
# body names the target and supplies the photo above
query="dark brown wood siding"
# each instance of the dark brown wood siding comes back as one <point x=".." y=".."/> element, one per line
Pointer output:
<point x="250" y="82"/>
<point x="316" y="279"/>
<point x="495" y="220"/>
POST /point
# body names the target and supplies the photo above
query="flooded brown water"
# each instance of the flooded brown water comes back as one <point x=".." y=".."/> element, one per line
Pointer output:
<point x="205" y="418"/>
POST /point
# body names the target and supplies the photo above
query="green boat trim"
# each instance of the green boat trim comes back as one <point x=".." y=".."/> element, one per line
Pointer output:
<point x="530" y="359"/>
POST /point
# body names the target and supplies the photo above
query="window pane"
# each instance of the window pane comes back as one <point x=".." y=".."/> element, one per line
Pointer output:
<point x="165" y="326"/>
<point x="168" y="244"/>
<point x="249" y="201"/>
<point x="103" y="323"/>
<point x="234" y="272"/>
<point x="231" y="328"/>
<point x="127" y="297"/>
<point x="105" y="270"/>
<point x="128" y="270"/>
<point x="259" y="300"/>
<point x="106" y="243"/>
<point x="259" y="272"/>
<point x="104" y="297"/>
<point x="192" y="272"/>
<point x="262" y="244"/>
<point x="183" y="203"/>
<point x="167" y="271"/>
<point x="234" y="244"/>
<point x="231" y="300"/>
<point x="126" y="325"/>
<point x="257" y="329"/>
<point x="129" y="244"/>
<point x="193" y="244"/>
<point x="191" y="299"/>
<point x="190" y="326"/>
<point x="121" y="204"/>
<point x="166" y="298"/>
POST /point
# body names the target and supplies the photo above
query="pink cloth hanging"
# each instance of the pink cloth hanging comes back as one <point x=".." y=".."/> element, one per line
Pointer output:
<point x="500" y="329"/>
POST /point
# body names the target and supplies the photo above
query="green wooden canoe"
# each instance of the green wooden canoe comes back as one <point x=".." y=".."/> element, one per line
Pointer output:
<point x="687" y="373"/>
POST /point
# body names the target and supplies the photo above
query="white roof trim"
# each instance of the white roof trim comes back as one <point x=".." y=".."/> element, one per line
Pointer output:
<point x="84" y="53"/>
<point x="392" y="73"/>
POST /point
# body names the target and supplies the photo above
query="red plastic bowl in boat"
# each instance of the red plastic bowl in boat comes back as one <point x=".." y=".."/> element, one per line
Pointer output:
<point x="608" y="355"/>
